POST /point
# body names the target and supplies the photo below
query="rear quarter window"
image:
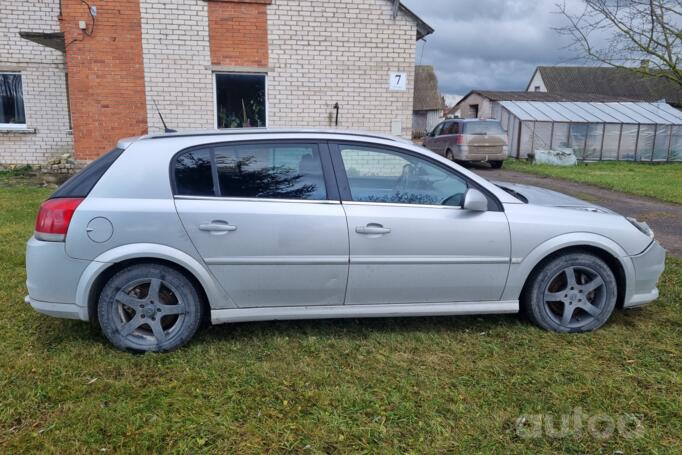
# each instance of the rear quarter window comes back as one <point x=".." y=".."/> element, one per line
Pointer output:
<point x="80" y="185"/>
<point x="194" y="174"/>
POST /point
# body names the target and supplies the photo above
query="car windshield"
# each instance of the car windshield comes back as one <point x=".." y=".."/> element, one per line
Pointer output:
<point x="483" y="128"/>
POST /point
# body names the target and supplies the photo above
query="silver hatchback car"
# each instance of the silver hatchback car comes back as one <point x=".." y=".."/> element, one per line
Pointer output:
<point x="168" y="230"/>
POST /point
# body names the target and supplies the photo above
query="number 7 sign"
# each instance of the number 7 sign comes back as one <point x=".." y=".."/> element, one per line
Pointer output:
<point x="397" y="82"/>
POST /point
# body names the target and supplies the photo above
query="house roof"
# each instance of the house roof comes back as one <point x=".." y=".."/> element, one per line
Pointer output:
<point x="426" y="94"/>
<point x="609" y="81"/>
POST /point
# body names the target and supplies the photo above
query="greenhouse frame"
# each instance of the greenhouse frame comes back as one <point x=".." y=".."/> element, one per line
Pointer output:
<point x="635" y="131"/>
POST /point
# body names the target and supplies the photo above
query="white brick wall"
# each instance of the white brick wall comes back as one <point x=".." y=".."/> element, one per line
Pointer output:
<point x="177" y="63"/>
<point x="328" y="51"/>
<point x="43" y="79"/>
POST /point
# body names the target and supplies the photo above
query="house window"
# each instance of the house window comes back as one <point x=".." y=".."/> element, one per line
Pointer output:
<point x="240" y="100"/>
<point x="12" y="113"/>
<point x="537" y="88"/>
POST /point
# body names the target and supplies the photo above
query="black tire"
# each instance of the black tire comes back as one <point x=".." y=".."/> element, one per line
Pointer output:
<point x="149" y="308"/>
<point x="449" y="155"/>
<point x="496" y="164"/>
<point x="553" y="302"/>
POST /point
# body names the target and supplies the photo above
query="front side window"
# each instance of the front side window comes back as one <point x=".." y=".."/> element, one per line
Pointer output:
<point x="270" y="171"/>
<point x="378" y="175"/>
<point x="436" y="131"/>
<point x="240" y="100"/>
<point x="11" y="101"/>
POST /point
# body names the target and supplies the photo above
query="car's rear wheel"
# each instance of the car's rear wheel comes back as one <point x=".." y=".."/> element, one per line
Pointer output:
<point x="449" y="155"/>
<point x="149" y="307"/>
<point x="575" y="292"/>
<point x="496" y="164"/>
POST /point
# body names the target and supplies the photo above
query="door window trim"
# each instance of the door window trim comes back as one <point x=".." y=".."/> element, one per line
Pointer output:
<point x="494" y="205"/>
<point x="332" y="190"/>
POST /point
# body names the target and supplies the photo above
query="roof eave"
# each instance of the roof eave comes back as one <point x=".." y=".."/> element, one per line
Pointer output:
<point x="423" y="29"/>
<point x="51" y="40"/>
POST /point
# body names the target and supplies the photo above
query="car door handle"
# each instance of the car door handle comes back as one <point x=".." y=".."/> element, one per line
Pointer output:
<point x="217" y="227"/>
<point x="372" y="229"/>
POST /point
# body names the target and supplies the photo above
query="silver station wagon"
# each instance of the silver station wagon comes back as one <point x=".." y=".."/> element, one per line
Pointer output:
<point x="170" y="230"/>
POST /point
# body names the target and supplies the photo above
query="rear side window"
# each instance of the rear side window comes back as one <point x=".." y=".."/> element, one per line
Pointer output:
<point x="268" y="171"/>
<point x="483" y="128"/>
<point x="193" y="173"/>
<point x="453" y="128"/>
<point x="80" y="185"/>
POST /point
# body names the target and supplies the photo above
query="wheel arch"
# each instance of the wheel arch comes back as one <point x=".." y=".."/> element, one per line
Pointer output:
<point x="607" y="250"/>
<point x="106" y="265"/>
<point x="611" y="261"/>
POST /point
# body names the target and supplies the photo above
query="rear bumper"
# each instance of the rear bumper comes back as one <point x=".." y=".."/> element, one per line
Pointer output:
<point x="58" y="310"/>
<point x="52" y="279"/>
<point x="648" y="266"/>
<point x="466" y="153"/>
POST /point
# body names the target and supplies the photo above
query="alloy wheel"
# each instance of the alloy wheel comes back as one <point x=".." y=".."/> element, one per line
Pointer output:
<point x="575" y="296"/>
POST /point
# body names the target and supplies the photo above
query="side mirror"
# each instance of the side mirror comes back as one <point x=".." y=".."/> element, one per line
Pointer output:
<point x="475" y="201"/>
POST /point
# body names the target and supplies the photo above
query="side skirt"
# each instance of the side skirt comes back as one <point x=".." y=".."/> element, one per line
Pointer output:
<point x="362" y="311"/>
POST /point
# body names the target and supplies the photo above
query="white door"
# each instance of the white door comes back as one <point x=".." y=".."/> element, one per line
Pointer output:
<point x="410" y="240"/>
<point x="264" y="220"/>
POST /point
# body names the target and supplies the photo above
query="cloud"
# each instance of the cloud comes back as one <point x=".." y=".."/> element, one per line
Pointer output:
<point x="490" y="44"/>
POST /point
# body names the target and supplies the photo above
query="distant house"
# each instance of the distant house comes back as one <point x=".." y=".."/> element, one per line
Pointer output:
<point x="604" y="81"/>
<point x="428" y="102"/>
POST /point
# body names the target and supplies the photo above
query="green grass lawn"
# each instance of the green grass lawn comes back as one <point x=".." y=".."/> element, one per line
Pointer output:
<point x="660" y="181"/>
<point x="415" y="385"/>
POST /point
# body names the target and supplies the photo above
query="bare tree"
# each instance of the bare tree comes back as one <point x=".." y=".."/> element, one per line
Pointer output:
<point x="643" y="36"/>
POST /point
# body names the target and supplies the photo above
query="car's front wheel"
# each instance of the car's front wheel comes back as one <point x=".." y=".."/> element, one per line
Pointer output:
<point x="574" y="292"/>
<point x="149" y="307"/>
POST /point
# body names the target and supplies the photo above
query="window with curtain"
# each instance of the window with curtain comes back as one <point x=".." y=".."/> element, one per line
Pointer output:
<point x="11" y="100"/>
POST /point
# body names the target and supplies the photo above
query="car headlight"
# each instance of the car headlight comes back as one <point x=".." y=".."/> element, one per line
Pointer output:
<point x="642" y="227"/>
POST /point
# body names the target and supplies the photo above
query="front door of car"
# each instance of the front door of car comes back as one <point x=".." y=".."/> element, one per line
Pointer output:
<point x="410" y="240"/>
<point x="433" y="140"/>
<point x="267" y="221"/>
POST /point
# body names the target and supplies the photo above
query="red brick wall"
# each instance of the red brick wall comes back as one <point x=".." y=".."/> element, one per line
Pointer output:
<point x="238" y="31"/>
<point x="106" y="74"/>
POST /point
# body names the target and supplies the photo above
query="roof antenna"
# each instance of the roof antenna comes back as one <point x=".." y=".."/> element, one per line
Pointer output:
<point x="165" y="127"/>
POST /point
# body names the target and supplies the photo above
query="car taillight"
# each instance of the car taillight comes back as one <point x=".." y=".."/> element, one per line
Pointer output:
<point x="54" y="217"/>
<point x="459" y="139"/>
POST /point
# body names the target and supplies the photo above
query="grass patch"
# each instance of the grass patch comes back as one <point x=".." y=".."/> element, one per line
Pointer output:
<point x="414" y="385"/>
<point x="660" y="181"/>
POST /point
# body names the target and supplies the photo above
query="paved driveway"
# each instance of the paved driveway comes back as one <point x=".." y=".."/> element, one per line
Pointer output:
<point x="664" y="218"/>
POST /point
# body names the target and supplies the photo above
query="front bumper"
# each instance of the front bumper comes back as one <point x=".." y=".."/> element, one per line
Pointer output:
<point x="648" y="267"/>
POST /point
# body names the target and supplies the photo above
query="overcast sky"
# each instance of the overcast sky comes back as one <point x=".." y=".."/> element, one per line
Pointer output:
<point x="489" y="44"/>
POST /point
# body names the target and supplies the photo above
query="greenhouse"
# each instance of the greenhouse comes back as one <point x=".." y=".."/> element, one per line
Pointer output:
<point x="594" y="131"/>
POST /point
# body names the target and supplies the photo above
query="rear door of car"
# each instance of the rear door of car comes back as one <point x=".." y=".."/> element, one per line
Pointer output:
<point x="266" y="218"/>
<point x="410" y="240"/>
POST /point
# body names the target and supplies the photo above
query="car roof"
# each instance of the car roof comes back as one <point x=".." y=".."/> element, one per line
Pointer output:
<point x="237" y="132"/>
